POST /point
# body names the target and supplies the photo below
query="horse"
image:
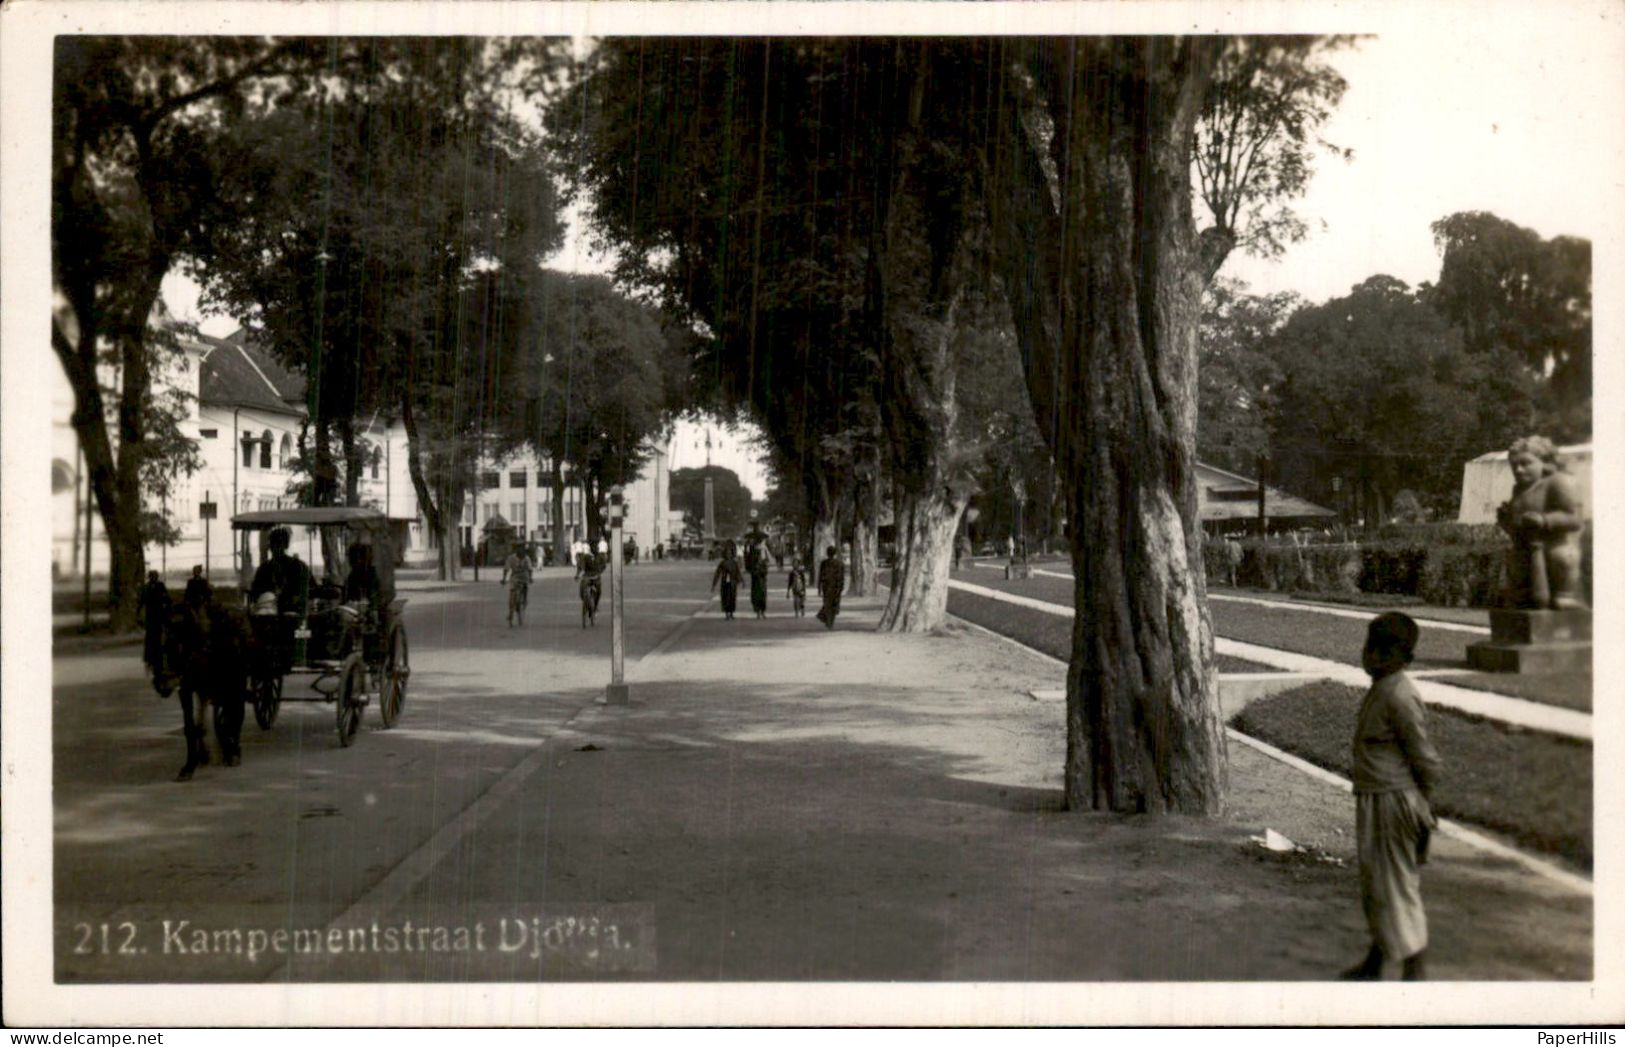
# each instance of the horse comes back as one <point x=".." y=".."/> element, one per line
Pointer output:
<point x="206" y="650"/>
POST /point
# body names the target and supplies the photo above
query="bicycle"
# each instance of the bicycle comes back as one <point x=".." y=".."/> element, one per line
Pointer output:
<point x="591" y="591"/>
<point x="518" y="596"/>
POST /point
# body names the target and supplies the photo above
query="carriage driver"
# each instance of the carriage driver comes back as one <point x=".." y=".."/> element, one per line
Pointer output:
<point x="282" y="575"/>
<point x="362" y="584"/>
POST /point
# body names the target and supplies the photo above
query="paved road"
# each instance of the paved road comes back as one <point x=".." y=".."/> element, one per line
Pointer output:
<point x="304" y="827"/>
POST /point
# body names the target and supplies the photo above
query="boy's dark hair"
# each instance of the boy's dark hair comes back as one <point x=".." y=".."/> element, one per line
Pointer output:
<point x="829" y="551"/>
<point x="1394" y="631"/>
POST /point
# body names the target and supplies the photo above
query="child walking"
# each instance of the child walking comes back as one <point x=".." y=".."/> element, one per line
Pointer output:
<point x="797" y="589"/>
<point x="1395" y="769"/>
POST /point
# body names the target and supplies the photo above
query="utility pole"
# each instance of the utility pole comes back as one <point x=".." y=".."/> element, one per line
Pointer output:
<point x="1263" y="518"/>
<point x="88" y="496"/>
<point x="617" y="693"/>
<point x="710" y="494"/>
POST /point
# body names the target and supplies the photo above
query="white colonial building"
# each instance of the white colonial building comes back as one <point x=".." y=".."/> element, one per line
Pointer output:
<point x="246" y="412"/>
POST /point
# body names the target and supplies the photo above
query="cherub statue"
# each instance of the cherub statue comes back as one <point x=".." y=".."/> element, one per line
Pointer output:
<point x="1543" y="517"/>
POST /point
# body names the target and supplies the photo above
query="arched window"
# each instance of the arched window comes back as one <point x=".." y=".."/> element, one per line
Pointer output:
<point x="284" y="452"/>
<point x="265" y="449"/>
<point x="62" y="476"/>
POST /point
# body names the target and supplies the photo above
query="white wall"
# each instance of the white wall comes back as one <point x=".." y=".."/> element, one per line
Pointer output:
<point x="1486" y="482"/>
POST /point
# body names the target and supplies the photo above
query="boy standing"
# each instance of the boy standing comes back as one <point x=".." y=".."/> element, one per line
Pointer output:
<point x="1395" y="769"/>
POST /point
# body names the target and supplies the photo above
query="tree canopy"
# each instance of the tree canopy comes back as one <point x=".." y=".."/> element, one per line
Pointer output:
<point x="1506" y="288"/>
<point x="1257" y="138"/>
<point x="585" y="378"/>
<point x="730" y="498"/>
<point x="1377" y="390"/>
<point x="136" y="127"/>
<point x="1236" y="385"/>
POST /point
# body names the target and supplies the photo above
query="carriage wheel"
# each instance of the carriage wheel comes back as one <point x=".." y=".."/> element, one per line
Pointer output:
<point x="267" y="701"/>
<point x="347" y="703"/>
<point x="397" y="669"/>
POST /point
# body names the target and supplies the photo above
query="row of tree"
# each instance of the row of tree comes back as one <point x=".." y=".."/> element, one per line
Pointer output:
<point x="1392" y="388"/>
<point x="903" y="258"/>
<point x="917" y="262"/>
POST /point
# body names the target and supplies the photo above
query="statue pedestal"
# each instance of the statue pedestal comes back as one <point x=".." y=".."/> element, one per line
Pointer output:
<point x="1017" y="569"/>
<point x="1535" y="642"/>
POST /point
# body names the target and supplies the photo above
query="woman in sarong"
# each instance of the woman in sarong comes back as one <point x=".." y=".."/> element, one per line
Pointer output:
<point x="756" y="567"/>
<point x="727" y="576"/>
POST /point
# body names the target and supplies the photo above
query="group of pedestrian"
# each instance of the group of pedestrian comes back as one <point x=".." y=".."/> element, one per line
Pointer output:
<point x="730" y="575"/>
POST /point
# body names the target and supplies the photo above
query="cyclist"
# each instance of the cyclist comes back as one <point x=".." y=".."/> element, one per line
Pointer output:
<point x="592" y="569"/>
<point x="516" y="569"/>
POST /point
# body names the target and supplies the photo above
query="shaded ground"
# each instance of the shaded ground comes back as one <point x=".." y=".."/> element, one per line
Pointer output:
<point x="781" y="802"/>
<point x="865" y="807"/>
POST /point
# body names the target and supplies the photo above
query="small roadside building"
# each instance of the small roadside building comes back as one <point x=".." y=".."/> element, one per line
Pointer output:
<point x="1227" y="503"/>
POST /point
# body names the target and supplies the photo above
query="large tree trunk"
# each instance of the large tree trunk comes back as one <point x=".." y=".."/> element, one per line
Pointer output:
<point x="561" y="541"/>
<point x="1106" y="314"/>
<point x="114" y="475"/>
<point x="825" y="504"/>
<point x="920" y="272"/>
<point x="595" y="519"/>
<point x="127" y="559"/>
<point x="865" y="539"/>
<point x="439" y="521"/>
<point x="926" y="525"/>
<point x="324" y="470"/>
<point x="351" y="449"/>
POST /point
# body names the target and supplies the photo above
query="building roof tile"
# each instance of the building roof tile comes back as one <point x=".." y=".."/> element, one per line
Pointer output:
<point x="236" y="373"/>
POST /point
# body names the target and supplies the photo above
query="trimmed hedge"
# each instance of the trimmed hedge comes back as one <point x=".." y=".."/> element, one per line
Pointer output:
<point x="1447" y="565"/>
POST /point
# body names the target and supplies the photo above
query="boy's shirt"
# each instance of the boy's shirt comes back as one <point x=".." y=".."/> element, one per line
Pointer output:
<point x="1392" y="750"/>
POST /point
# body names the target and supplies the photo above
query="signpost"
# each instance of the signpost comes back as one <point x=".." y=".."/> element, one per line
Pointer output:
<point x="617" y="693"/>
<point x="1018" y="566"/>
<point x="206" y="512"/>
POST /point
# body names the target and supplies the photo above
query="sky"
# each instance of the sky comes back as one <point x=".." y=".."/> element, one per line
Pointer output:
<point x="1510" y="118"/>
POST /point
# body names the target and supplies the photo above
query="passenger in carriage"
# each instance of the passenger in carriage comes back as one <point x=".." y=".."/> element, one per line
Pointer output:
<point x="283" y="575"/>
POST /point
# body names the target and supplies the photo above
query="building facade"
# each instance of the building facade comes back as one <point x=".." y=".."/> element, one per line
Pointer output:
<point x="246" y="413"/>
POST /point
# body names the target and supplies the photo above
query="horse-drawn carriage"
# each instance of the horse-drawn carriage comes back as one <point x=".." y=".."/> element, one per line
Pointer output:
<point x="342" y="628"/>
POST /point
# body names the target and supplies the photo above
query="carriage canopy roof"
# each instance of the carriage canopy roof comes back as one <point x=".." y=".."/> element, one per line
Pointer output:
<point x="336" y="515"/>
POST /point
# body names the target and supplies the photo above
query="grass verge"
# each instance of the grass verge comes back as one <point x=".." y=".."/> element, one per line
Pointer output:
<point x="1049" y="633"/>
<point x="1534" y="787"/>
<point x="1328" y="636"/>
<point x="1568" y="690"/>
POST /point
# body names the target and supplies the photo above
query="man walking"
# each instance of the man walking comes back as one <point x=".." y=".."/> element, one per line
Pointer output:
<point x="756" y="567"/>
<point x="831" y="580"/>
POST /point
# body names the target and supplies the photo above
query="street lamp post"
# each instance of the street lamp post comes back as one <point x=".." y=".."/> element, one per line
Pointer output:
<point x="617" y="693"/>
<point x="1018" y="566"/>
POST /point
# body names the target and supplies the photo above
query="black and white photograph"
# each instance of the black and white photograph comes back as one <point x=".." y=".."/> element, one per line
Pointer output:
<point x="786" y="514"/>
